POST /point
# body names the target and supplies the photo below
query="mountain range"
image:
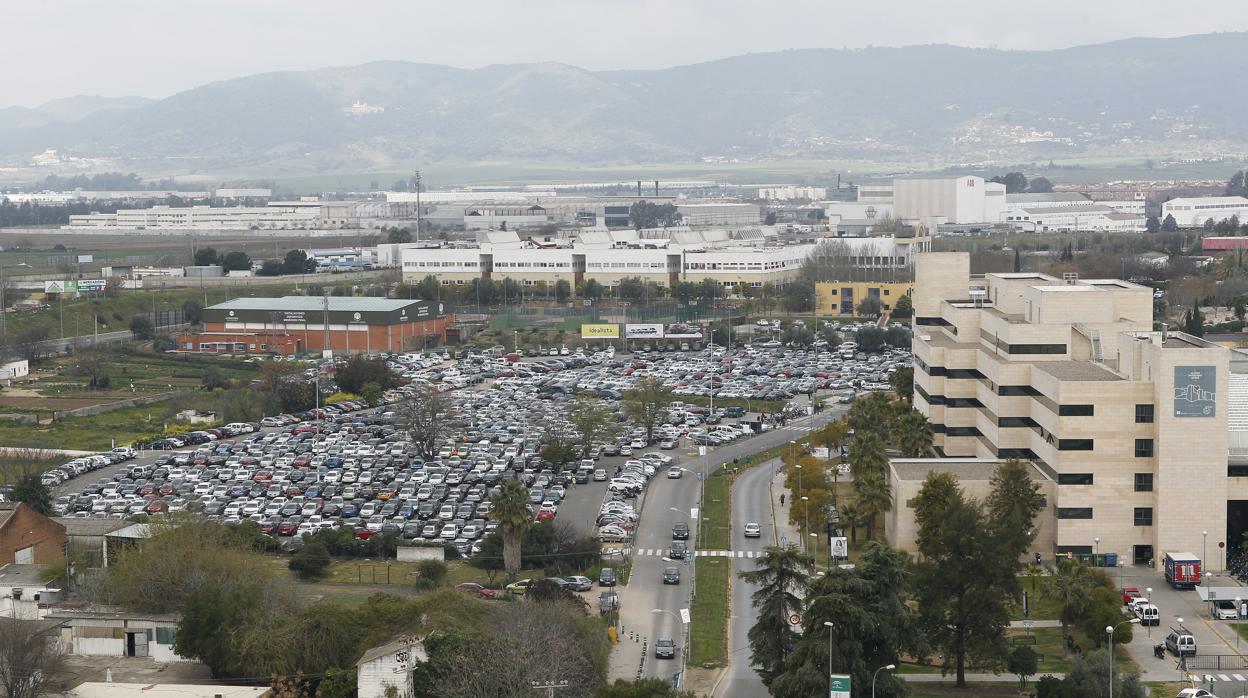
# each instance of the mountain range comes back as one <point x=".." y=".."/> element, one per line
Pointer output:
<point x="932" y="102"/>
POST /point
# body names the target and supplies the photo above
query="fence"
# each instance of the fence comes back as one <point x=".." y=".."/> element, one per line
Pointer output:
<point x="1216" y="662"/>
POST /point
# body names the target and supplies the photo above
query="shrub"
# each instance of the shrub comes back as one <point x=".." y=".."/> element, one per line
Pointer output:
<point x="311" y="562"/>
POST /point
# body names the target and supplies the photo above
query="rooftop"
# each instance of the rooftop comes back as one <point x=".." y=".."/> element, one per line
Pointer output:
<point x="313" y="303"/>
<point x="89" y="527"/>
<point x="1038" y="198"/>
<point x="14" y="575"/>
<point x="100" y="689"/>
<point x="1076" y="370"/>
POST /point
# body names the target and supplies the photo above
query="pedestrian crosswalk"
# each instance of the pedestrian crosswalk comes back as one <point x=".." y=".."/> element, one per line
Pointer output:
<point x="1220" y="677"/>
<point x="661" y="552"/>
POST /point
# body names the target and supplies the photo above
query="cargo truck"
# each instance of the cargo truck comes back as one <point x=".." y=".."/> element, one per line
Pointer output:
<point x="1182" y="570"/>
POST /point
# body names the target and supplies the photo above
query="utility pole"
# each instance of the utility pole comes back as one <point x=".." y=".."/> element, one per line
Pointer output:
<point x="325" y="339"/>
<point x="419" y="213"/>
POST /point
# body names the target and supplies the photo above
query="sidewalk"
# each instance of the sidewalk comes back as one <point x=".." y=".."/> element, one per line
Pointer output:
<point x="1003" y="677"/>
<point x="784" y="533"/>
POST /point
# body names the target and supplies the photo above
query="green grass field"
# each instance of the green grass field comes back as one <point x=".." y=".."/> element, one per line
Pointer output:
<point x="708" y="629"/>
<point x="716" y="512"/>
<point x="94" y="433"/>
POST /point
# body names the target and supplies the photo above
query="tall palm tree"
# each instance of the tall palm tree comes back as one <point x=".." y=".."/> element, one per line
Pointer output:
<point x="866" y="453"/>
<point x="914" y="436"/>
<point x="781" y="577"/>
<point x="873" y="498"/>
<point x="1069" y="587"/>
<point x="510" y="508"/>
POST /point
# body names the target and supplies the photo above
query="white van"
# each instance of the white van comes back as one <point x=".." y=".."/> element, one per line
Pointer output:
<point x="1148" y="614"/>
<point x="1180" y="642"/>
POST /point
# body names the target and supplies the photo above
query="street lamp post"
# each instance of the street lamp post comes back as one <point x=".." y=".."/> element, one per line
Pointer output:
<point x="684" y="642"/>
<point x="888" y="667"/>
<point x="806" y="512"/>
<point x="1098" y="545"/>
<point x="1109" y="630"/>
<point x="828" y="624"/>
<point x="1204" y="548"/>
<point x="1149" y="591"/>
<point x="1238" y="616"/>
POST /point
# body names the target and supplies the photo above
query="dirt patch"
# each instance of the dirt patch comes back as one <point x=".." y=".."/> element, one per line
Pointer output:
<point x="50" y="403"/>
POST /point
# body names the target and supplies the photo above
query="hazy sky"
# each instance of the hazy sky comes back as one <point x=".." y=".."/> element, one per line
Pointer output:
<point x="56" y="48"/>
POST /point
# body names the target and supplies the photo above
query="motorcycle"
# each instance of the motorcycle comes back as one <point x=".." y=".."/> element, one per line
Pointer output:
<point x="1159" y="651"/>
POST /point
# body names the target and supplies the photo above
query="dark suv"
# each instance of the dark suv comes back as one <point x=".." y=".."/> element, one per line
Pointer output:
<point x="606" y="578"/>
<point x="677" y="551"/>
<point x="680" y="531"/>
<point x="665" y="648"/>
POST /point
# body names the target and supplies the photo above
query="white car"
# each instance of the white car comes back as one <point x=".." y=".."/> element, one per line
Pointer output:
<point x="753" y="530"/>
<point x="674" y="474"/>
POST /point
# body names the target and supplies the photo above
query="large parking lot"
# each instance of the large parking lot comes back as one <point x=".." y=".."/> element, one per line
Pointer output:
<point x="352" y="465"/>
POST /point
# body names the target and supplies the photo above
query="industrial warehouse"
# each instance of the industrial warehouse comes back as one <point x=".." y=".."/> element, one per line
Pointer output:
<point x="299" y="324"/>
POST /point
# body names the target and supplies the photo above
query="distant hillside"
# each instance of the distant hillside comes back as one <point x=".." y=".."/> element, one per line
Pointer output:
<point x="942" y="103"/>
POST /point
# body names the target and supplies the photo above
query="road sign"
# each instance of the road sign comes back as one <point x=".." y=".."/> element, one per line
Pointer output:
<point x="1029" y="623"/>
<point x="838" y="686"/>
<point x="684" y="616"/>
<point x="783" y="539"/>
<point x="795" y="619"/>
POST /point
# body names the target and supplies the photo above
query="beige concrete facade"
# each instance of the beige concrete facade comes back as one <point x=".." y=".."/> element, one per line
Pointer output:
<point x="974" y="476"/>
<point x="1069" y="375"/>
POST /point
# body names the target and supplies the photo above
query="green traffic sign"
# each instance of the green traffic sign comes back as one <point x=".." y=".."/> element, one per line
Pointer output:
<point x="838" y="685"/>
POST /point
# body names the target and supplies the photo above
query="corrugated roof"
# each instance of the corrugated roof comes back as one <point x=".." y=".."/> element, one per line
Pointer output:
<point x="311" y="303"/>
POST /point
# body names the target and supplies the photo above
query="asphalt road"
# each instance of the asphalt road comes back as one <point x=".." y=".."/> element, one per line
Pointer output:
<point x="751" y="502"/>
<point x="669" y="501"/>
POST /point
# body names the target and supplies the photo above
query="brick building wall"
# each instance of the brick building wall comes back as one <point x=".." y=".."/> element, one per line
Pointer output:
<point x="404" y="336"/>
<point x="24" y="528"/>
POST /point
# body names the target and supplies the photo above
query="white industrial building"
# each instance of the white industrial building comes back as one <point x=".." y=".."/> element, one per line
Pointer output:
<point x="788" y="193"/>
<point x="278" y="215"/>
<point x="729" y="258"/>
<point x="937" y="199"/>
<point x="1084" y="217"/>
<point x="719" y="214"/>
<point x="1193" y="212"/>
<point x="1067" y="212"/>
<point x="876" y="193"/>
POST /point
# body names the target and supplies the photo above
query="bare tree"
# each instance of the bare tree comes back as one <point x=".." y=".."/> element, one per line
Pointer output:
<point x="647" y="404"/>
<point x="31" y="661"/>
<point x="94" y="363"/>
<point x="593" y="423"/>
<point x="424" y="416"/>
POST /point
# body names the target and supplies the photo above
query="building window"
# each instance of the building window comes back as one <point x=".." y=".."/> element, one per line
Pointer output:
<point x="1074" y="478"/>
<point x="1143" y="414"/>
<point x="1075" y="410"/>
<point x="1074" y="444"/>
<point x="1143" y="516"/>
<point x="1074" y="512"/>
<point x="1035" y="348"/>
<point x="1143" y="448"/>
<point x="1014" y="422"/>
<point x="1017" y="390"/>
<point x="1143" y="482"/>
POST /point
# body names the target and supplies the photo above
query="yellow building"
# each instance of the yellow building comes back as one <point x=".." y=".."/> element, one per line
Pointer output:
<point x="841" y="298"/>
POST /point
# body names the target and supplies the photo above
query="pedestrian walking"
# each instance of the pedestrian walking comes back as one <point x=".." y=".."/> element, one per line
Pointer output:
<point x="782" y="500"/>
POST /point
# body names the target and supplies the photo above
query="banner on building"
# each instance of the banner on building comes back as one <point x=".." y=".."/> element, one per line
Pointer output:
<point x="69" y="286"/>
<point x="647" y="331"/>
<point x="600" y="331"/>
<point x="1195" y="391"/>
<point x="92" y="285"/>
<point x="681" y="330"/>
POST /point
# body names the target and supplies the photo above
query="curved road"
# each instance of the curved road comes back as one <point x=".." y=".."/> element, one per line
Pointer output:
<point x="751" y="502"/>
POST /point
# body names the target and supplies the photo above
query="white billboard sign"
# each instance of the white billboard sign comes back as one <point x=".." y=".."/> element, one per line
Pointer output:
<point x="643" y="331"/>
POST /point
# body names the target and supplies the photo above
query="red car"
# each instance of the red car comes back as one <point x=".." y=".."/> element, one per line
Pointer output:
<point x="545" y="515"/>
<point x="1129" y="593"/>
<point x="365" y="534"/>
<point x="477" y="590"/>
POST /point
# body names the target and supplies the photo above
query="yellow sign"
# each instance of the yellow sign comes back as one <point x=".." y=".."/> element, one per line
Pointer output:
<point x="600" y="331"/>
